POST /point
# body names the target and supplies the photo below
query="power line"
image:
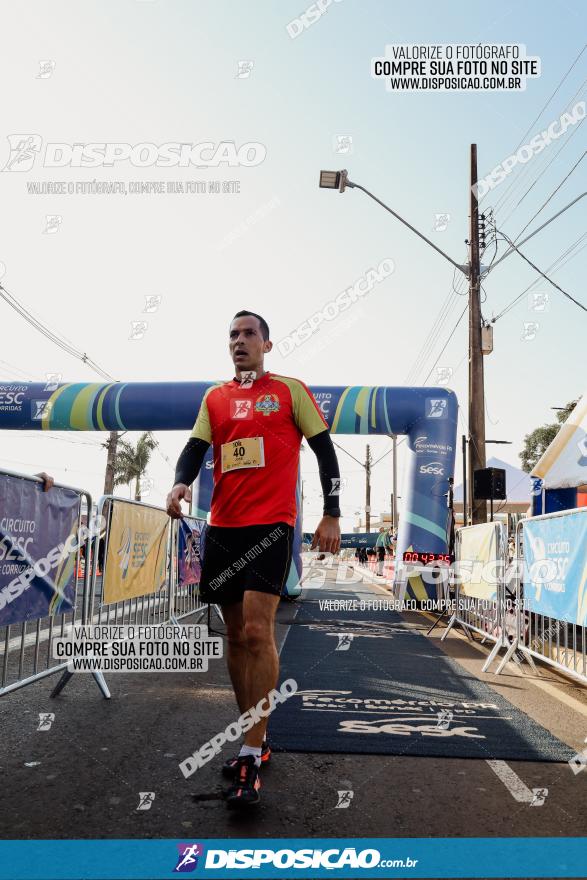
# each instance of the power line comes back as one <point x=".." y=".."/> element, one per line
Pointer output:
<point x="545" y="169"/>
<point x="453" y="331"/>
<point x="515" y="182"/>
<point x="531" y="126"/>
<point x="543" y="274"/>
<point x="493" y="265"/>
<point x="435" y="330"/>
<point x="49" y="334"/>
<point x="525" y="175"/>
<point x="553" y="266"/>
<point x="553" y="193"/>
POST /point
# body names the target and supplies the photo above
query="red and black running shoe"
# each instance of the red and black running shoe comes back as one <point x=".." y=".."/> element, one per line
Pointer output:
<point x="229" y="767"/>
<point x="244" y="792"/>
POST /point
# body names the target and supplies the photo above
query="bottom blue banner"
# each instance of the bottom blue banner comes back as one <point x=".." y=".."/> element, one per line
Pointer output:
<point x="296" y="857"/>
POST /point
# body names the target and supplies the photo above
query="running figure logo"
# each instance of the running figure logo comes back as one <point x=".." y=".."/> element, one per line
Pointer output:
<point x="344" y="800"/>
<point x="436" y="408"/>
<point x="23" y="151"/>
<point x="188" y="857"/>
<point x="146" y="799"/>
<point x="241" y="409"/>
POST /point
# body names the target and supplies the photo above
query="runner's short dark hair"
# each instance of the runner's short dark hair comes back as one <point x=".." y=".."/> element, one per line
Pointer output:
<point x="262" y="322"/>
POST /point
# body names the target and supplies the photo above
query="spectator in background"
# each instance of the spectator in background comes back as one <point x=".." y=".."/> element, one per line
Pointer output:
<point x="382" y="544"/>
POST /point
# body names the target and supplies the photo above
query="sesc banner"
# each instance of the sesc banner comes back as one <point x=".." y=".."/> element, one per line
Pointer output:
<point x="555" y="566"/>
<point x="38" y="531"/>
<point x="136" y="557"/>
<point x="189" y="556"/>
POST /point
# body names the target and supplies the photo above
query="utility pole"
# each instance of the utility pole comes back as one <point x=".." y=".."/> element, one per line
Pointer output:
<point x="111" y="445"/>
<point x="465" y="492"/>
<point x="368" y="489"/>
<point x="476" y="384"/>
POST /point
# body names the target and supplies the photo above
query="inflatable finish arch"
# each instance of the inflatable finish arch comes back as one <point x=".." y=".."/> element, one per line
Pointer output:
<point x="427" y="416"/>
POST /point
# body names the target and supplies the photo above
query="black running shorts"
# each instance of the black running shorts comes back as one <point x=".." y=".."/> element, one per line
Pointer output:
<point x="245" y="558"/>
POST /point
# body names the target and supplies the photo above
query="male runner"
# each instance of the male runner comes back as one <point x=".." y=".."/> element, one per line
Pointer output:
<point x="255" y="423"/>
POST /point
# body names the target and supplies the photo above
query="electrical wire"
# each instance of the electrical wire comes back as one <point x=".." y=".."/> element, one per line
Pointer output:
<point x="554" y="266"/>
<point x="49" y="334"/>
<point x="437" y="326"/>
<point x="553" y="193"/>
<point x="505" y="195"/>
<point x="494" y="264"/>
<point x="523" y="177"/>
<point x="545" y="169"/>
<point x="544" y="275"/>
<point x="446" y="343"/>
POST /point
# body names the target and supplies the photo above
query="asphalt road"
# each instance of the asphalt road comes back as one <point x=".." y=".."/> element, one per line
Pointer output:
<point x="82" y="778"/>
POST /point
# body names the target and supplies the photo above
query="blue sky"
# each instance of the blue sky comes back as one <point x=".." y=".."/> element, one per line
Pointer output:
<point x="156" y="71"/>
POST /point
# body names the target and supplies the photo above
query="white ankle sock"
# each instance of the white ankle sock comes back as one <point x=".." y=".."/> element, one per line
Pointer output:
<point x="251" y="750"/>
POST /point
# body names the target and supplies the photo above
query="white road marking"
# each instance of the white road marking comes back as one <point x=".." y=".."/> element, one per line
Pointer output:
<point x="516" y="787"/>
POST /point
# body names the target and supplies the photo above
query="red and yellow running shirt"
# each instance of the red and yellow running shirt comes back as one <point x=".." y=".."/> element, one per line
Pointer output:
<point x="256" y="433"/>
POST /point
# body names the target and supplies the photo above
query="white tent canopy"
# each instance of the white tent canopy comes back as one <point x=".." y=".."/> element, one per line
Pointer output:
<point x="563" y="464"/>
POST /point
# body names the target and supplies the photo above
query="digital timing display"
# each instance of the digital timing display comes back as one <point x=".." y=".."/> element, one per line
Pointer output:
<point x="424" y="558"/>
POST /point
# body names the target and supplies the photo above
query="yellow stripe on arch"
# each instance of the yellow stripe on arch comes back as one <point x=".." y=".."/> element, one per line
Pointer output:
<point x="78" y="418"/>
<point x="373" y="411"/>
<point x="339" y="410"/>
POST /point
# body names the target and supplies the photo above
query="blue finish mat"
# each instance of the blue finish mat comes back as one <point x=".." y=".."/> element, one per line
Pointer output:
<point x="369" y="683"/>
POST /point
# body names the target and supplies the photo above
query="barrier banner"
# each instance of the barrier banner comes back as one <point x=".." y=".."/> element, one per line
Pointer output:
<point x="555" y="566"/>
<point x="38" y="532"/>
<point x="189" y="554"/>
<point x="478" y="547"/>
<point x="136" y="556"/>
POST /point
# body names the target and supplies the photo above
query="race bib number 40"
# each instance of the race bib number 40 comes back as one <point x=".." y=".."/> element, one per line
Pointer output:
<point x="245" y="453"/>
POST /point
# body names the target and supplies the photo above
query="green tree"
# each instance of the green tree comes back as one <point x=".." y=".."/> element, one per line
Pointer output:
<point x="132" y="461"/>
<point x="536" y="442"/>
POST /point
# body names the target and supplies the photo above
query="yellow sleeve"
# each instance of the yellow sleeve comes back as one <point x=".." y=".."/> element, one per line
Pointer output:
<point x="306" y="412"/>
<point x="202" y="429"/>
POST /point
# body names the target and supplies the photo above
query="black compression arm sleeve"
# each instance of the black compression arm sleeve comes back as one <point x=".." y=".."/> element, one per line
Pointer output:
<point x="322" y="446"/>
<point x="190" y="461"/>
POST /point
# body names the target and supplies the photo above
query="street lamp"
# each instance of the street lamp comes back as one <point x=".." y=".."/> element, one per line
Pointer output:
<point x="334" y="180"/>
<point x="340" y="180"/>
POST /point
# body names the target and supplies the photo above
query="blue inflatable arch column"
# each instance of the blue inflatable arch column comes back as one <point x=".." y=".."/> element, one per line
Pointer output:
<point x="426" y="416"/>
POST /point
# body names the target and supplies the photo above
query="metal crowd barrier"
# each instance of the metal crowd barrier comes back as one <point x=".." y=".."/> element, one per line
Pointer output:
<point x="25" y="647"/>
<point x="488" y="618"/>
<point x="185" y="597"/>
<point x="147" y="609"/>
<point x="559" y="643"/>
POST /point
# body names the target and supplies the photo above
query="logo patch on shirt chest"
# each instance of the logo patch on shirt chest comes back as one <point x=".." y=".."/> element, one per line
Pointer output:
<point x="266" y="404"/>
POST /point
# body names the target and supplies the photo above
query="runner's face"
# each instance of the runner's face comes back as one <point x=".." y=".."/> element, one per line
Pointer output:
<point x="246" y="344"/>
